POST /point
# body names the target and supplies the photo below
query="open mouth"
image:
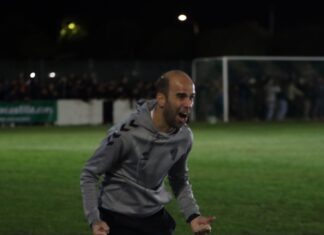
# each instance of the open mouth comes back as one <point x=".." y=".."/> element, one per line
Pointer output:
<point x="183" y="116"/>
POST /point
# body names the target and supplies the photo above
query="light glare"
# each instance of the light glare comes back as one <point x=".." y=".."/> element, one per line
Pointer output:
<point x="52" y="74"/>
<point x="182" y="17"/>
<point x="72" y="26"/>
<point x="32" y="75"/>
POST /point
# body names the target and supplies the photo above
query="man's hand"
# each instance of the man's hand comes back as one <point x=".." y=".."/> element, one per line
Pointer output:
<point x="100" y="228"/>
<point x="201" y="225"/>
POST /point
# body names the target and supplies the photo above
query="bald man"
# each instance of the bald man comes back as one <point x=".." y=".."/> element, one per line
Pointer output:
<point x="138" y="153"/>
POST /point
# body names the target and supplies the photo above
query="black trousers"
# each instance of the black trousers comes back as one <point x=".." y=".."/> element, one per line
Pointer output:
<point x="160" y="223"/>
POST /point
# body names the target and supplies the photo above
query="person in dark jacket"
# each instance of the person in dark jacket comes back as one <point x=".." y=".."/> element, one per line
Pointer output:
<point x="138" y="153"/>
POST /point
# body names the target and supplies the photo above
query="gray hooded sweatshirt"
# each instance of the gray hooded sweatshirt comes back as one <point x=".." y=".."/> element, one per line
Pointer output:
<point x="134" y="159"/>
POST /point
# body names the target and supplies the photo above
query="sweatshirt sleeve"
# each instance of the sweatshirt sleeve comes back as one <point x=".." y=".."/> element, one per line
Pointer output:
<point x="104" y="158"/>
<point x="179" y="182"/>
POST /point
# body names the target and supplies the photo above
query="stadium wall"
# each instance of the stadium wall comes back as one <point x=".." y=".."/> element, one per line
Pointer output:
<point x="65" y="112"/>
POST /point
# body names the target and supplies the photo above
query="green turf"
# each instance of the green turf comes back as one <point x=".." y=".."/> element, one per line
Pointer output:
<point x="256" y="178"/>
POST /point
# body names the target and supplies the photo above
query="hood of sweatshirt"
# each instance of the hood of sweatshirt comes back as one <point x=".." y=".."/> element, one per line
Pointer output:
<point x="143" y="114"/>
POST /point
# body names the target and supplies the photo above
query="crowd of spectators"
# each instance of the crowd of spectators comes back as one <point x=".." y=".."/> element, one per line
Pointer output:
<point x="72" y="86"/>
<point x="268" y="98"/>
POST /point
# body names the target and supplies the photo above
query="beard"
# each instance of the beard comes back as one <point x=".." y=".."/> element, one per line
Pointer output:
<point x="170" y="117"/>
<point x="173" y="117"/>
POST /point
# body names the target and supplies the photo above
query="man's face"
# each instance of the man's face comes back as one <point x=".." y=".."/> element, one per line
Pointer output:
<point x="179" y="102"/>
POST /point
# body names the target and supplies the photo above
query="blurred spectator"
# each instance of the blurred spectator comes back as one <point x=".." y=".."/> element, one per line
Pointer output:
<point x="271" y="90"/>
<point x="282" y="101"/>
<point x="319" y="100"/>
<point x="295" y="99"/>
<point x="308" y="87"/>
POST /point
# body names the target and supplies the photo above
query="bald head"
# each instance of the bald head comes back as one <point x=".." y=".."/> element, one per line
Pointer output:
<point x="171" y="78"/>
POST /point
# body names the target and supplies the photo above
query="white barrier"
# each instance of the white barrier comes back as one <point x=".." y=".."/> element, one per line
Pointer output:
<point x="79" y="112"/>
<point x="121" y="108"/>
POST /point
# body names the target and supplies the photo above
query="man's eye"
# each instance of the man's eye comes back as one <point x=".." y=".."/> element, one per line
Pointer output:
<point x="181" y="96"/>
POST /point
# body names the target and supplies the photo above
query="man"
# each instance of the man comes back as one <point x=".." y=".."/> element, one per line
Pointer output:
<point x="137" y="155"/>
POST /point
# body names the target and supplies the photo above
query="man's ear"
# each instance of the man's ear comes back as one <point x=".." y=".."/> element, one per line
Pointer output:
<point x="161" y="99"/>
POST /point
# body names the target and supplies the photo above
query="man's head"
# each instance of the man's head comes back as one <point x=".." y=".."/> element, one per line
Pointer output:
<point x="175" y="93"/>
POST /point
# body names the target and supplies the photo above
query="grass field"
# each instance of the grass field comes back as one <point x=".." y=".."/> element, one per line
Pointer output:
<point x="256" y="178"/>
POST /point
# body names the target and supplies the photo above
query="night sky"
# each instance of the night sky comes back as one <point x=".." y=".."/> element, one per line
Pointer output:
<point x="135" y="29"/>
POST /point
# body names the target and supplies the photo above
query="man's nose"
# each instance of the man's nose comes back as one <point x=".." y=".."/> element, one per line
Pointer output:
<point x="188" y="102"/>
